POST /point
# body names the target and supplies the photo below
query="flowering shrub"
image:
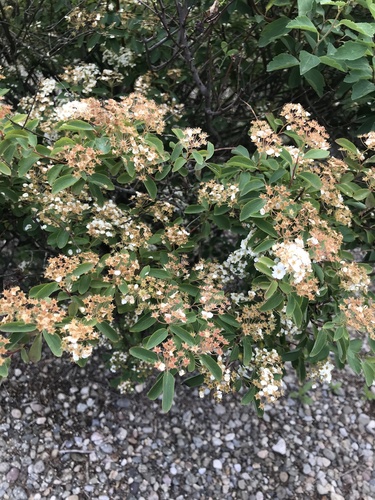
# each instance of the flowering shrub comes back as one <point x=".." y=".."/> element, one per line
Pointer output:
<point x="215" y="272"/>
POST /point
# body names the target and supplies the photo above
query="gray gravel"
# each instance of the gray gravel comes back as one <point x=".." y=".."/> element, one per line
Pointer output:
<point x="65" y="435"/>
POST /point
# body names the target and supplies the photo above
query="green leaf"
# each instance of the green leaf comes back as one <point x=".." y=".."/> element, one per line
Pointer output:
<point x="35" y="352"/>
<point x="317" y="154"/>
<point x="251" y="207"/>
<point x="242" y="162"/>
<point x="211" y="365"/>
<point x="76" y="126"/>
<point x="44" y="290"/>
<point x="249" y="396"/>
<point x="54" y="343"/>
<point x="368" y="371"/>
<point x="266" y="227"/>
<point x="302" y="23"/>
<point x="282" y="61"/>
<point x="4" y="367"/>
<point x="194" y="381"/>
<point x="151" y="187"/>
<point x="4" y="169"/>
<point x="183" y="334"/>
<point x="273" y="302"/>
<point x="349" y="146"/>
<point x="361" y="89"/>
<point x="83" y="268"/>
<point x="333" y="63"/>
<point x="350" y="51"/>
<point x="178" y="164"/>
<point x="198" y="157"/>
<point x="17" y="327"/>
<point x="273" y="31"/>
<point x="168" y="391"/>
<point x="143" y="354"/>
<point x="144" y="323"/>
<point x="109" y="332"/>
<point x="156" y="389"/>
<point x="62" y="238"/>
<point x="305" y="7"/>
<point x="253" y="185"/>
<point x="102" y="180"/>
<point x="320" y="342"/>
<point x="367" y="29"/>
<point x="312" y="179"/>
<point x="271" y="289"/>
<point x="194" y="209"/>
<point x="157" y="338"/>
<point x="247" y="350"/>
<point x="63" y="183"/>
<point x="316" y="80"/>
<point x="307" y="61"/>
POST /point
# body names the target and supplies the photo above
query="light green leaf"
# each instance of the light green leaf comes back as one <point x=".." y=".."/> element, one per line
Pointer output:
<point x="4" y="169"/>
<point x="44" y="290"/>
<point x="247" y="350"/>
<point x="35" y="352"/>
<point x="249" y="396"/>
<point x="183" y="334"/>
<point x="106" y="329"/>
<point x="312" y="179"/>
<point x="333" y="63"/>
<point x="251" y="207"/>
<point x="143" y="354"/>
<point x="350" y="51"/>
<point x="282" y="61"/>
<point x="17" y="327"/>
<point x="273" y="302"/>
<point x="168" y="391"/>
<point x="320" y="342"/>
<point x="317" y="154"/>
<point x="316" y="80"/>
<point x="83" y="268"/>
<point x="151" y="187"/>
<point x="211" y="366"/>
<point x="102" y="180"/>
<point x="76" y="126"/>
<point x="361" y="89"/>
<point x="349" y="146"/>
<point x="367" y="29"/>
<point x="157" y="338"/>
<point x="63" y="183"/>
<point x="54" y="343"/>
<point x="307" y="61"/>
<point x="302" y="23"/>
<point x="144" y="323"/>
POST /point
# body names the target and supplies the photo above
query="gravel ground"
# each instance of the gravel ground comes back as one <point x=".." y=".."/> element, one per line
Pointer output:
<point x="65" y="435"/>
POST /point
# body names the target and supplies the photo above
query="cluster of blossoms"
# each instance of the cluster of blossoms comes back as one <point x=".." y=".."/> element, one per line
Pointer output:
<point x="353" y="277"/>
<point x="83" y="18"/>
<point x="269" y="367"/>
<point x="323" y="371"/>
<point x="3" y="342"/>
<point x="193" y="138"/>
<point x="292" y="258"/>
<point x="215" y="193"/>
<point x="124" y="59"/>
<point x="77" y="333"/>
<point x="360" y="315"/>
<point x="61" y="269"/>
<point x="266" y="140"/>
<point x="84" y="75"/>
<point x="255" y="323"/>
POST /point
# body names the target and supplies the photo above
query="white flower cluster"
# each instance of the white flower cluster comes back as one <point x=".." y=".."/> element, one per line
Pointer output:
<point x="287" y="327"/>
<point x="83" y="74"/>
<point x="291" y="258"/>
<point x="118" y="359"/>
<point x="237" y="261"/>
<point x="72" y="109"/>
<point x="269" y="363"/>
<point x="124" y="59"/>
<point x="324" y="372"/>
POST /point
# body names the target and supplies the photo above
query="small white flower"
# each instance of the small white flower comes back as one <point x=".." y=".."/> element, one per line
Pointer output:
<point x="278" y="271"/>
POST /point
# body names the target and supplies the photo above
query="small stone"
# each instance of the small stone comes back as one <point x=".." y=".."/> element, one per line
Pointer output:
<point x="217" y="464"/>
<point x="16" y="413"/>
<point x="96" y="437"/>
<point x="202" y="471"/>
<point x="220" y="410"/>
<point x="306" y="469"/>
<point x="323" y="462"/>
<point x="41" y="420"/>
<point x="322" y="490"/>
<point x="173" y="470"/>
<point x="329" y="454"/>
<point x="371" y="427"/>
<point x="241" y="484"/>
<point x="230" y="436"/>
<point x="81" y="407"/>
<point x="39" y="467"/>
<point x="284" y="477"/>
<point x="72" y="497"/>
<point x="121" y="434"/>
<point x="262" y="453"/>
<point x="237" y="467"/>
<point x="123" y="403"/>
<point x="217" y="441"/>
<point x="106" y="448"/>
<point x="280" y="447"/>
<point x="12" y="475"/>
<point x="363" y="419"/>
<point x="336" y="496"/>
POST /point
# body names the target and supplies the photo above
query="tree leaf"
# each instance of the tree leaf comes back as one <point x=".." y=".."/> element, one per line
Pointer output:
<point x="144" y="323"/>
<point x="282" y="61"/>
<point x="63" y="183"/>
<point x="183" y="334"/>
<point x="76" y="126"/>
<point x="151" y="187"/>
<point x="143" y="354"/>
<point x="102" y="180"/>
<point x="106" y="329"/>
<point x="157" y="338"/>
<point x="251" y="208"/>
<point x="16" y="327"/>
<point x="211" y="365"/>
<point x="247" y="350"/>
<point x="320" y="342"/>
<point x="44" y="290"/>
<point x="312" y="179"/>
<point x="316" y="80"/>
<point x="302" y="23"/>
<point x="361" y="89"/>
<point x="307" y="61"/>
<point x="4" y="169"/>
<point x="168" y="391"/>
<point x="350" y="51"/>
<point x="273" y="31"/>
<point x="54" y="343"/>
<point x="35" y="352"/>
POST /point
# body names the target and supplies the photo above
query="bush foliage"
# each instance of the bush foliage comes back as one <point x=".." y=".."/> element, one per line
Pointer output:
<point x="124" y="225"/>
